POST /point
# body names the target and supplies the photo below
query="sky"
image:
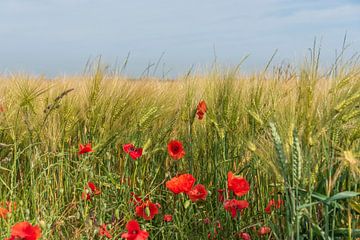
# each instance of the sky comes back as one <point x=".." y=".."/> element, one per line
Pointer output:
<point x="58" y="37"/>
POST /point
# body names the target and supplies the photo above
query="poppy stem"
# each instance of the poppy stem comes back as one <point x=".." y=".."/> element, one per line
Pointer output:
<point x="190" y="145"/>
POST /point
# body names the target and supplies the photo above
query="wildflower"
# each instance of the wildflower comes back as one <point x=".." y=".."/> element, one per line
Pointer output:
<point x="206" y="221"/>
<point x="2" y="109"/>
<point x="93" y="188"/>
<point x="25" y="231"/>
<point x="176" y="149"/>
<point x="272" y="204"/>
<point x="147" y="210"/>
<point x="3" y="212"/>
<point x="244" y="236"/>
<point x="234" y="205"/>
<point x="218" y="224"/>
<point x="268" y="207"/>
<point x="134" y="231"/>
<point x="182" y="183"/>
<point x="238" y="185"/>
<point x="201" y="109"/>
<point x="85" y="149"/>
<point x="168" y="218"/>
<point x="86" y="195"/>
<point x="104" y="232"/>
<point x="6" y="208"/>
<point x="197" y="193"/>
<point x="221" y="197"/>
<point x="133" y="152"/>
<point x="264" y="230"/>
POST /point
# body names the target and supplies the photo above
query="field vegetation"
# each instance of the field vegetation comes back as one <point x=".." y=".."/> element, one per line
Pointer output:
<point x="292" y="133"/>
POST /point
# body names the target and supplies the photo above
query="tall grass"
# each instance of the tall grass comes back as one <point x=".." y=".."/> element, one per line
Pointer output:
<point x="293" y="134"/>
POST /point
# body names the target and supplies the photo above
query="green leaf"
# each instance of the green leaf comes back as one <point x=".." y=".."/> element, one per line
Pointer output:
<point x="319" y="196"/>
<point x="319" y="232"/>
<point x="307" y="205"/>
<point x="342" y="195"/>
<point x="342" y="232"/>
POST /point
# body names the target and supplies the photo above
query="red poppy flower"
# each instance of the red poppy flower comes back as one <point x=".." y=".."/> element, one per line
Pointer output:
<point x="182" y="183"/>
<point x="133" y="152"/>
<point x="238" y="185"/>
<point x="221" y="197"/>
<point x="201" y="109"/>
<point x="128" y="147"/>
<point x="85" y="195"/>
<point x="264" y="230"/>
<point x="234" y="205"/>
<point x="176" y="149"/>
<point x="134" y="231"/>
<point x="25" y="231"/>
<point x="104" y="232"/>
<point x="2" y="109"/>
<point x="6" y="208"/>
<point x="168" y="218"/>
<point x="244" y="236"/>
<point x="272" y="204"/>
<point x="3" y="212"/>
<point x="206" y="221"/>
<point x="197" y="193"/>
<point x="147" y="210"/>
<point x="91" y="190"/>
<point x="85" y="149"/>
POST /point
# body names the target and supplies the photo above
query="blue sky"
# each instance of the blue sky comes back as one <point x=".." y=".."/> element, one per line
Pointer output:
<point x="55" y="37"/>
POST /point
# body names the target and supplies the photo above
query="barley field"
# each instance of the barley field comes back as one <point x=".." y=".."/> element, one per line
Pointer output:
<point x="222" y="155"/>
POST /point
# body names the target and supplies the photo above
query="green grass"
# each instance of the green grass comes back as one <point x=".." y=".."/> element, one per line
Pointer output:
<point x="293" y="134"/>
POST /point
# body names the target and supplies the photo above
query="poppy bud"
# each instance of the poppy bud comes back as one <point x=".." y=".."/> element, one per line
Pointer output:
<point x="147" y="211"/>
